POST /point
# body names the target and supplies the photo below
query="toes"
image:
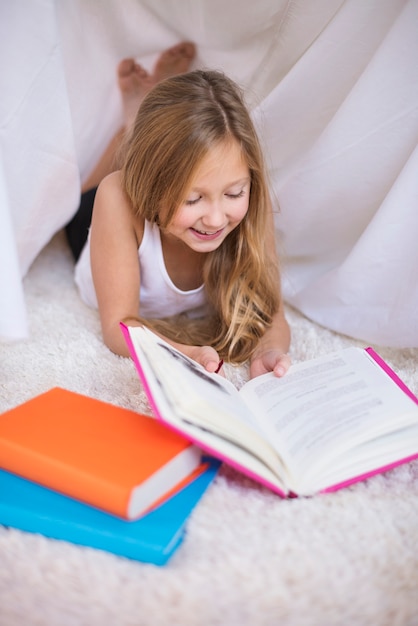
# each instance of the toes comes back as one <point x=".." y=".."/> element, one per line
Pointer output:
<point x="188" y="49"/>
<point x="185" y="49"/>
<point x="175" y="60"/>
<point x="126" y="67"/>
<point x="129" y="69"/>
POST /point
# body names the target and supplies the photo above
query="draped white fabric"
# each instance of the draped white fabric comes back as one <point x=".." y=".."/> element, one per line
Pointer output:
<point x="333" y="86"/>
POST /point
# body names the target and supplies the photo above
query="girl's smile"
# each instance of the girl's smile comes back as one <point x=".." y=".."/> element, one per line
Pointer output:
<point x="217" y="200"/>
<point x="205" y="235"/>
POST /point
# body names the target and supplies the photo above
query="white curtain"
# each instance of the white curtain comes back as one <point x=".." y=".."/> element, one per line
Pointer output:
<point x="333" y="87"/>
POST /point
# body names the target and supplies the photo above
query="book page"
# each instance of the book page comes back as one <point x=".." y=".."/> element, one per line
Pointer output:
<point x="324" y="406"/>
<point x="389" y="449"/>
<point x="185" y="392"/>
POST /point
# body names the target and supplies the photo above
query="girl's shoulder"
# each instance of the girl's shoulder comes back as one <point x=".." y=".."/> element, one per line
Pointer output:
<point x="110" y="190"/>
<point x="113" y="206"/>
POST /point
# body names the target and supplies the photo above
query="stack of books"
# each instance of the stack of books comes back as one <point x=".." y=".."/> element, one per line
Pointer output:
<point x="78" y="469"/>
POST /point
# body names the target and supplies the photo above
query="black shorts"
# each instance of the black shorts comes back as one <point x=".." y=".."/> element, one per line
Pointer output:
<point x="78" y="229"/>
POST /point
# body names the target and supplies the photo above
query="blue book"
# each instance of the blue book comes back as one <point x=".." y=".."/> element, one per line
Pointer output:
<point x="153" y="538"/>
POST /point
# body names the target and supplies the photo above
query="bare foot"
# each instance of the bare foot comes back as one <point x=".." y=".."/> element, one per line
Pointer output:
<point x="134" y="84"/>
<point x="175" y="60"/>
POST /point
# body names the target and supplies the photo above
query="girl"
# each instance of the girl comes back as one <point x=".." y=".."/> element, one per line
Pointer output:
<point x="182" y="236"/>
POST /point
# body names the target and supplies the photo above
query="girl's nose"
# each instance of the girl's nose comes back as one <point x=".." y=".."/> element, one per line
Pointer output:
<point x="214" y="218"/>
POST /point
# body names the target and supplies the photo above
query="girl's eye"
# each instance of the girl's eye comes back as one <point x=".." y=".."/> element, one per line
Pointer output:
<point x="192" y="201"/>
<point x="236" y="195"/>
<point x="232" y="196"/>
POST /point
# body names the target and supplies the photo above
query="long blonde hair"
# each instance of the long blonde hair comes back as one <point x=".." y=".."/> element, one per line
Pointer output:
<point x="178" y="122"/>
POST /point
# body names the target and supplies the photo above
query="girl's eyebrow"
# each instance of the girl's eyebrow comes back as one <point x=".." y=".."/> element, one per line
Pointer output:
<point x="241" y="181"/>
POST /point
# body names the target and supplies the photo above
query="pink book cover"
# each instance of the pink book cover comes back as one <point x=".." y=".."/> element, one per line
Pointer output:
<point x="244" y="469"/>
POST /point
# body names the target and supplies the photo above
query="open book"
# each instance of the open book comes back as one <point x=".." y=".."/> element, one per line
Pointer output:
<point x="327" y="423"/>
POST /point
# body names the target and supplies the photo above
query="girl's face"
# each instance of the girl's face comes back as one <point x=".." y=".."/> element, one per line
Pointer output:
<point x="216" y="201"/>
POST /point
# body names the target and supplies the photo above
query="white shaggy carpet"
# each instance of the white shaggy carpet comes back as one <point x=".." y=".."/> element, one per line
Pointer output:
<point x="249" y="558"/>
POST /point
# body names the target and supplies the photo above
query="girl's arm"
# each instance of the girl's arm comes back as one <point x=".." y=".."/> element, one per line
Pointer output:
<point x="115" y="237"/>
<point x="114" y="260"/>
<point x="271" y="352"/>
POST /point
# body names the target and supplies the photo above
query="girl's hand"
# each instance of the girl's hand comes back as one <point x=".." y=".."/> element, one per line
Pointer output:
<point x="272" y="360"/>
<point x="205" y="355"/>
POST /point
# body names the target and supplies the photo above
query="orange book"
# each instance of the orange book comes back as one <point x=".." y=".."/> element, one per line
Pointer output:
<point x="109" y="457"/>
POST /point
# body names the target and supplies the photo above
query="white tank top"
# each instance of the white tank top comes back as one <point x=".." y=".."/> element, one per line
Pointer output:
<point x="159" y="297"/>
